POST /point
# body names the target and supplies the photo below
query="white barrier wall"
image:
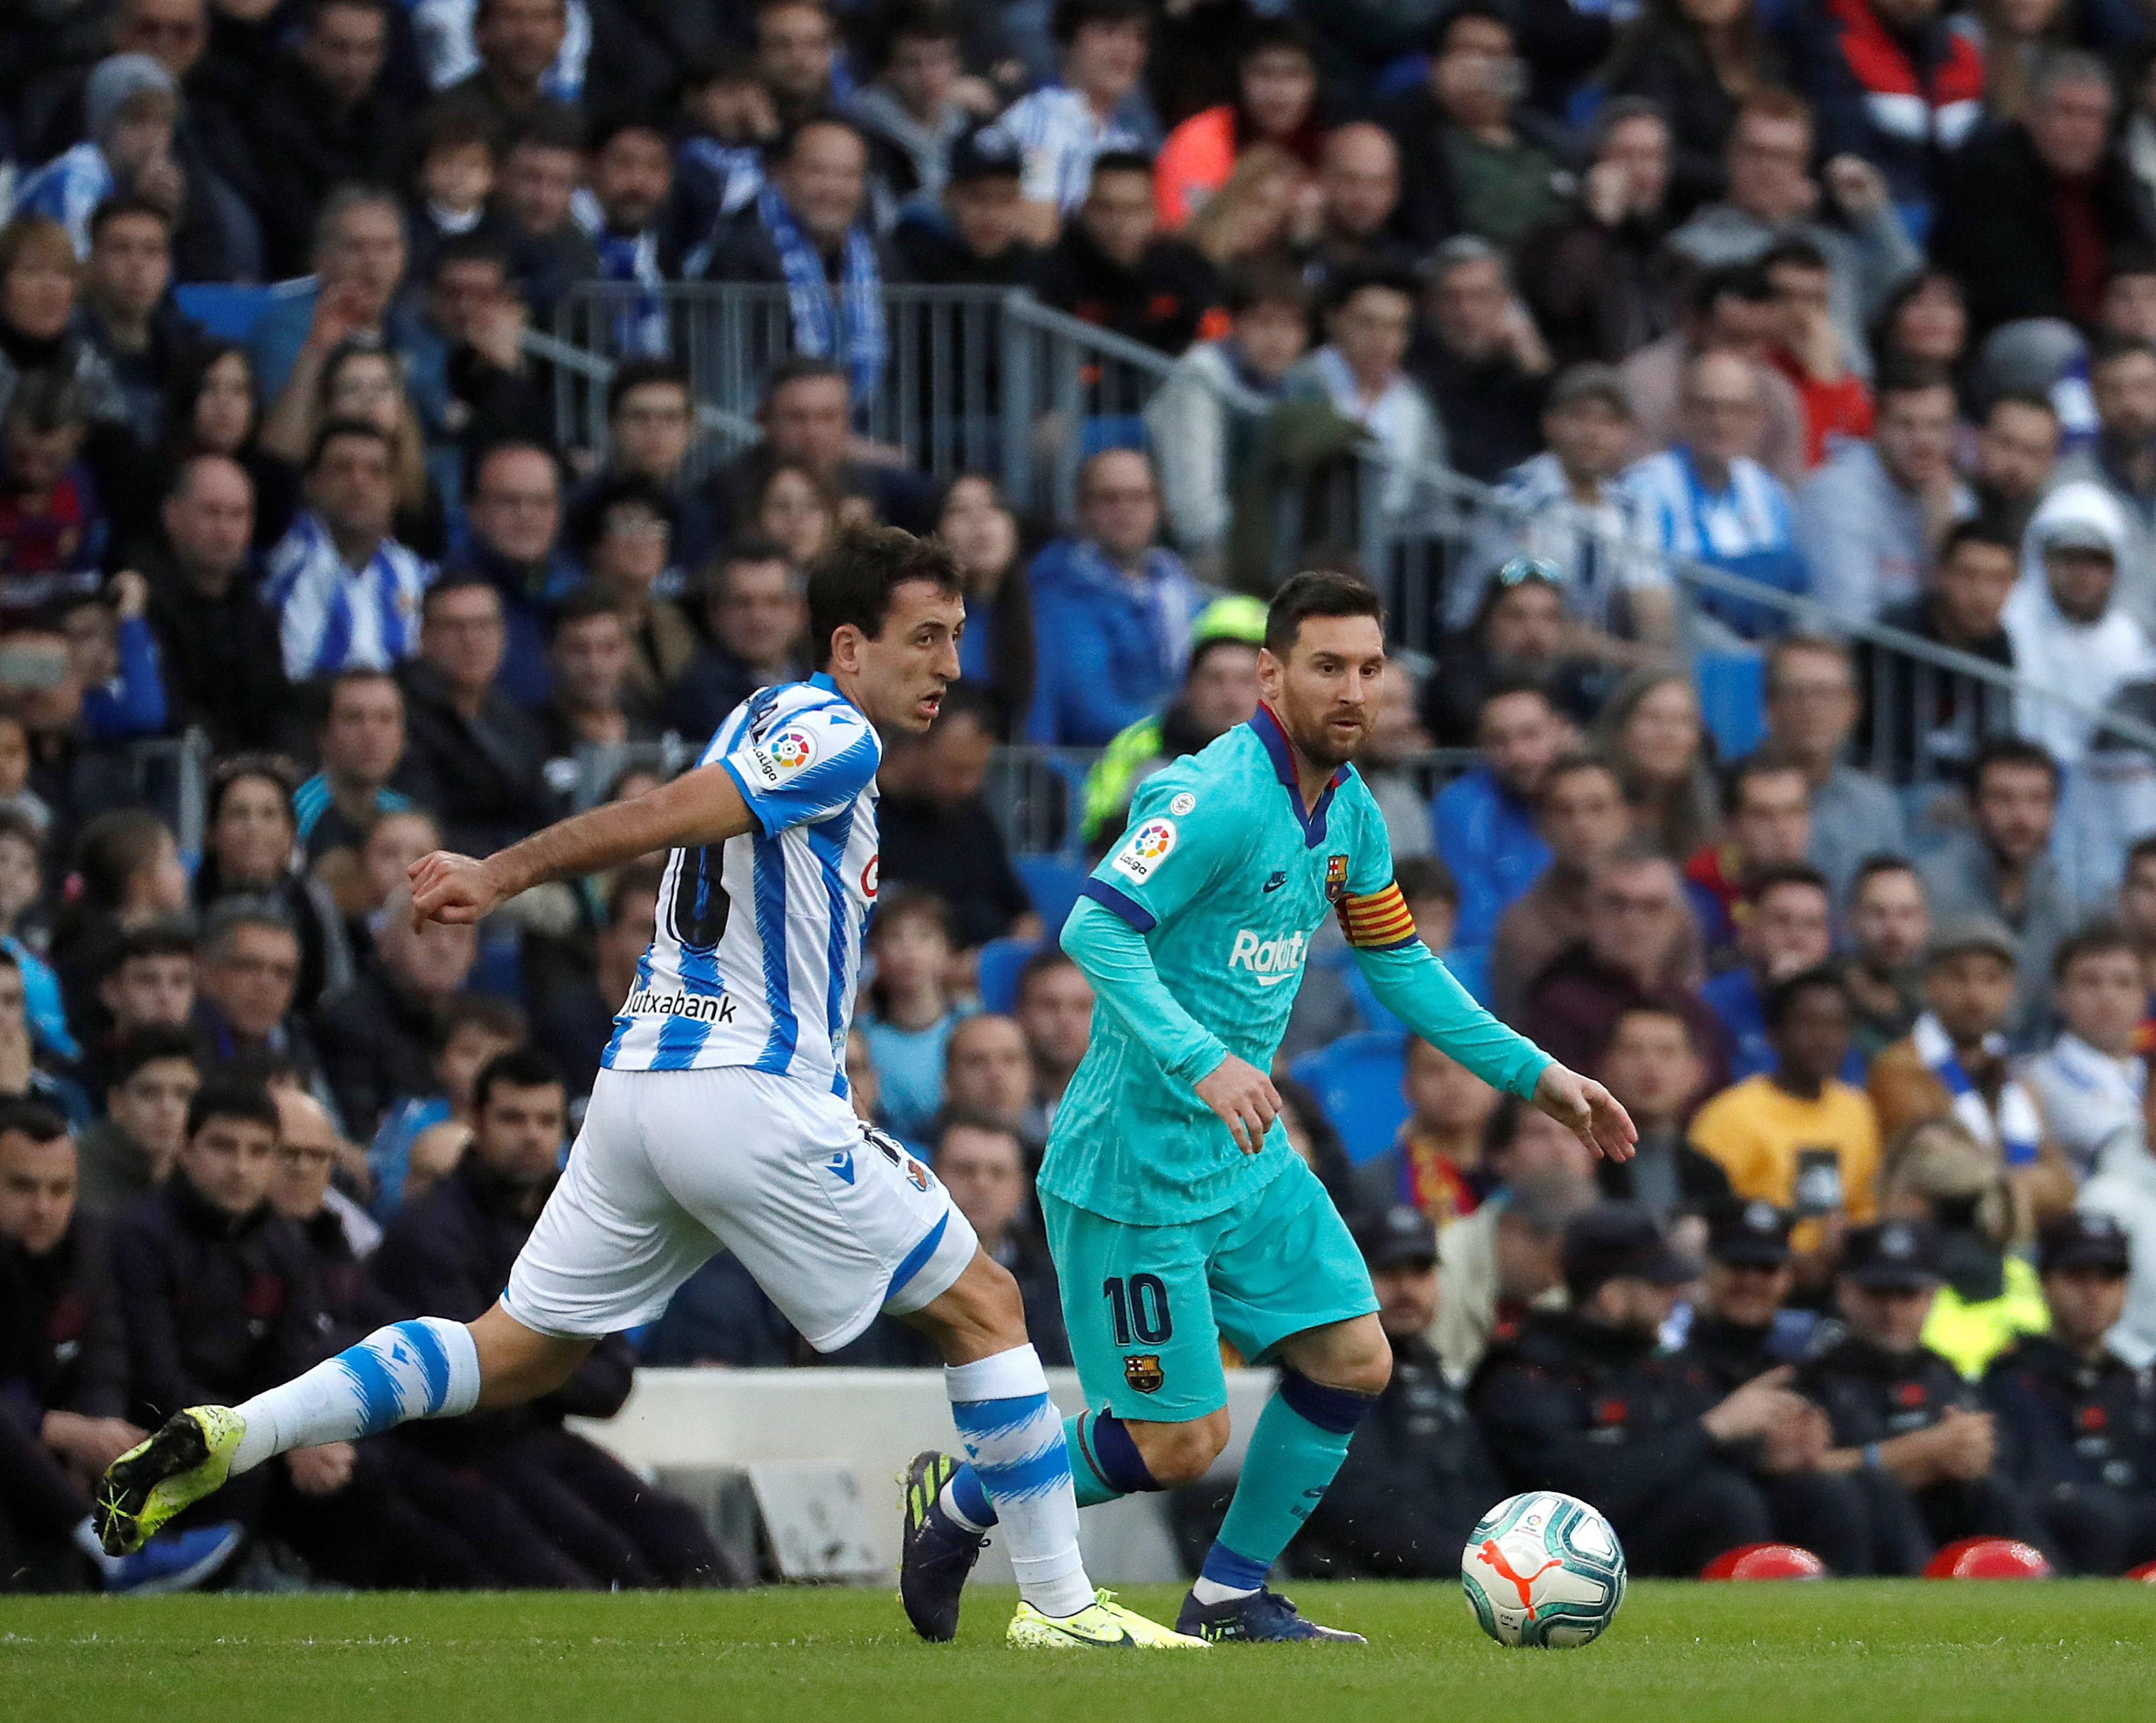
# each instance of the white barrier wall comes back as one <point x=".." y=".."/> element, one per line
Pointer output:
<point x="872" y="1422"/>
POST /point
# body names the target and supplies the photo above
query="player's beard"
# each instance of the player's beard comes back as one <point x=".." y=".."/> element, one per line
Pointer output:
<point x="1315" y="739"/>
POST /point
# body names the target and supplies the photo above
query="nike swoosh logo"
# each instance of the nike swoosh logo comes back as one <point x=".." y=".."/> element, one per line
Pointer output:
<point x="1274" y="883"/>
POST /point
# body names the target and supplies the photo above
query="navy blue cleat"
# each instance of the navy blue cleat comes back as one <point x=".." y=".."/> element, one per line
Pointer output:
<point x="176" y="1561"/>
<point x="938" y="1554"/>
<point x="1263" y="1617"/>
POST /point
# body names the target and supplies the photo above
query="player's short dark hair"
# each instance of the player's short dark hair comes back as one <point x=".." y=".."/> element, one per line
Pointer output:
<point x="34" y="1120"/>
<point x="1782" y="996"/>
<point x="1422" y="877"/>
<point x="231" y="1098"/>
<point x="853" y="584"/>
<point x="2009" y="751"/>
<point x="1765" y="763"/>
<point x="1317" y="592"/>
<point x="2102" y="934"/>
<point x="148" y="1046"/>
<point x="524" y="1067"/>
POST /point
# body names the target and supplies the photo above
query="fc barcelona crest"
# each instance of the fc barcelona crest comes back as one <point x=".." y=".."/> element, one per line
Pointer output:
<point x="1143" y="1371"/>
<point x="1335" y="878"/>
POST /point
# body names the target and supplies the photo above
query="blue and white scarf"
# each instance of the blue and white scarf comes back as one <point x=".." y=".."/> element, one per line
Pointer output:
<point x="852" y="332"/>
<point x="639" y="323"/>
<point x="2018" y="1126"/>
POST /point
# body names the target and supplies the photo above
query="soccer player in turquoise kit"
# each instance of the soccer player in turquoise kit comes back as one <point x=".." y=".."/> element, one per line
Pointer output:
<point x="1177" y="1212"/>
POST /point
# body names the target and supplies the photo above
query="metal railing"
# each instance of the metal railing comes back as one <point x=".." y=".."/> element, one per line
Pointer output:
<point x="990" y="380"/>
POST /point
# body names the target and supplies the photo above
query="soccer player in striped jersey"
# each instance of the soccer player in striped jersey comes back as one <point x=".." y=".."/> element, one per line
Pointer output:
<point x="720" y="1114"/>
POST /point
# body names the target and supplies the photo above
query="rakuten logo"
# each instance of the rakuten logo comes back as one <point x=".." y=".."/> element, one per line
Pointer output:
<point x="1272" y="961"/>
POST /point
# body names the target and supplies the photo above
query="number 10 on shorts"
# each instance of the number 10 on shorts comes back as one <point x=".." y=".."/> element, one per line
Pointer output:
<point x="1137" y="1307"/>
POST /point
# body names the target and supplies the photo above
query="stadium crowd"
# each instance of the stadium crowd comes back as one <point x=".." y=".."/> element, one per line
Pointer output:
<point x="1855" y="298"/>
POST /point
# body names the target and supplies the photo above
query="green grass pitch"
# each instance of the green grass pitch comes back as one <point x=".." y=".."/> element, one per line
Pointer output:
<point x="1851" y="1652"/>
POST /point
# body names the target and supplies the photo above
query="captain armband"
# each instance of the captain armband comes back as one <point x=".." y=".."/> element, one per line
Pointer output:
<point x="1377" y="921"/>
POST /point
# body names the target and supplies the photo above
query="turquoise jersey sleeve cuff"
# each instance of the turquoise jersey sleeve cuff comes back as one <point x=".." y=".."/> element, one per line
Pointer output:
<point x="1117" y="961"/>
<point x="1420" y="991"/>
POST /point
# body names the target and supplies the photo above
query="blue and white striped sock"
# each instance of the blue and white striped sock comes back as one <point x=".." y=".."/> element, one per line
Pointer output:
<point x="1013" y="1435"/>
<point x="426" y="1368"/>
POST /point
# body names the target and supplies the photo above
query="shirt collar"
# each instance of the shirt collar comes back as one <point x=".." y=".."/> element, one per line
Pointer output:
<point x="822" y="680"/>
<point x="1273" y="735"/>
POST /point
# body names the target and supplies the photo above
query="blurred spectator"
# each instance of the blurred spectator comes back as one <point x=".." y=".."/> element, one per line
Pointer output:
<point x="22" y="1076"/>
<point x="126" y="314"/>
<point x="38" y="277"/>
<point x="1582" y="1401"/>
<point x="452" y="157"/>
<point x="1766" y="823"/>
<point x="422" y="1136"/>
<point x="2029" y="212"/>
<point x="1204" y="438"/>
<point x="1387" y="764"/>
<point x="212" y="409"/>
<point x="130" y="1148"/>
<point x="808" y="229"/>
<point x="1358" y="189"/>
<point x="1772" y="198"/>
<point x="1435" y="1166"/>
<point x="344" y="589"/>
<point x="1501" y="1261"/>
<point x="449" y="1252"/>
<point x="131" y="876"/>
<point x="936" y="829"/>
<point x="1120" y="608"/>
<point x="755" y="611"/>
<point x="1904" y="1421"/>
<point x="1920" y="721"/>
<point x="1811" y="710"/>
<point x="542" y="161"/>
<point x="1890" y="921"/>
<point x="651" y="424"/>
<point x="1635" y="919"/>
<point x="2001" y="866"/>
<point x="1923" y="320"/>
<point x="795" y="45"/>
<point x="1220" y="690"/>
<point x="1112" y="269"/>
<point x="973" y="232"/>
<point x="988" y="1074"/>
<point x="1731" y="308"/>
<point x="1417" y="1477"/>
<point x="1485" y="818"/>
<point x="800" y="512"/>
<point x="1869" y="521"/>
<point x="1708" y="498"/>
<point x="1055" y="1010"/>
<point x="514" y="507"/>
<point x="360" y="744"/>
<point x="131" y="111"/>
<point x="910" y="1012"/>
<point x="629" y="173"/>
<point x="2017" y="451"/>
<point x="471" y="754"/>
<point x="2068" y="1406"/>
<point x="1651" y="731"/>
<point x="377" y="1032"/>
<point x="574" y="1019"/>
<point x="1787" y="928"/>
<point x="53" y="531"/>
<point x="517" y="43"/>
<point x="806" y="414"/>
<point x="1602" y="285"/>
<point x="983" y="1164"/>
<point x="1795" y="1134"/>
<point x="1987" y="1297"/>
<point x="1276" y="103"/>
<point x="1650" y="1066"/>
<point x="591" y="716"/>
<point x="1581" y="817"/>
<point x="248" y="853"/>
<point x="1894" y="83"/>
<point x="1480" y="358"/>
<point x="1472" y="160"/>
<point x="245" y="988"/>
<point x="1954" y="1064"/>
<point x="1741" y="1325"/>
<point x="1703" y="64"/>
<point x="149" y="984"/>
<point x="114" y="655"/>
<point x="2121" y="461"/>
<point x="997" y="654"/>
<point x="2090" y="1080"/>
<point x="325" y="116"/>
<point x="1263" y="210"/>
<point x="912" y="111"/>
<point x="1368" y="315"/>
<point x="1064" y="131"/>
<point x="620" y="537"/>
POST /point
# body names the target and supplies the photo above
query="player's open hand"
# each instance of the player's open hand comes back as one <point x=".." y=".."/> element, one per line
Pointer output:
<point x="1245" y="1099"/>
<point x="453" y="889"/>
<point x="1588" y="1110"/>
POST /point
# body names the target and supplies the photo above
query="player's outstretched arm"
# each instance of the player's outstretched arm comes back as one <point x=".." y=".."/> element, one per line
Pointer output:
<point x="703" y="806"/>
<point x="1586" y="1108"/>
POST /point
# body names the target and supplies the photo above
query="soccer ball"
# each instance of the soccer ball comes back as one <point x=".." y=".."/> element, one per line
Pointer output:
<point x="1543" y="1569"/>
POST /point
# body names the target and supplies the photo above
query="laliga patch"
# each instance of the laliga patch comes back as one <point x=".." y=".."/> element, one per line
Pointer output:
<point x="1144" y="849"/>
<point x="785" y="754"/>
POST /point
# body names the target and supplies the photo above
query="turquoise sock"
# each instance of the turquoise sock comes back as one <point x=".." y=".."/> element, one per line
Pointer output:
<point x="1295" y="1449"/>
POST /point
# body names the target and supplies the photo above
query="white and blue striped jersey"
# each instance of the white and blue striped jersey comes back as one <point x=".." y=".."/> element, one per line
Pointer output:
<point x="757" y="950"/>
<point x="332" y="617"/>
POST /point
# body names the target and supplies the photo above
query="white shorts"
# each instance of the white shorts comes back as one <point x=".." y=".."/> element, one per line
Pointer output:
<point x="836" y="1221"/>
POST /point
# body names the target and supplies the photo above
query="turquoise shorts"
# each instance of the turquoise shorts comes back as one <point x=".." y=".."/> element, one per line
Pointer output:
<point x="1147" y="1307"/>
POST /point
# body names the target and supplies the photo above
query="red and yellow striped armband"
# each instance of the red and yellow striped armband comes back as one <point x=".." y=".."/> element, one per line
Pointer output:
<point x="1378" y="922"/>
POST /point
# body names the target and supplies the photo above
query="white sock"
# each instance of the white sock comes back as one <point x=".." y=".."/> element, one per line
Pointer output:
<point x="1013" y="1435"/>
<point x="1206" y="1590"/>
<point x="426" y="1369"/>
